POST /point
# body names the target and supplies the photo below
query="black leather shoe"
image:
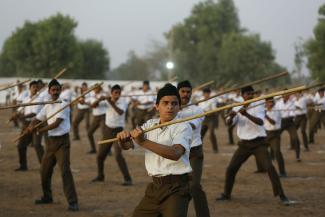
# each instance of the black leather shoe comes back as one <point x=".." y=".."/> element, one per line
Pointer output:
<point x="44" y="200"/>
<point x="73" y="207"/>
<point x="127" y="183"/>
<point x="20" y="169"/>
<point x="284" y="200"/>
<point x="98" y="179"/>
<point x="223" y="197"/>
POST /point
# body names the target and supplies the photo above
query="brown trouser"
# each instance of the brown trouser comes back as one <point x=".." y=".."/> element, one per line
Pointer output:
<point x="301" y="122"/>
<point x="34" y="139"/>
<point x="274" y="141"/>
<point x="58" y="151"/>
<point x="81" y="114"/>
<point x="98" y="121"/>
<point x="210" y="124"/>
<point x="165" y="199"/>
<point x="289" y="125"/>
<point x="142" y="115"/>
<point x="316" y="118"/>
<point x="104" y="149"/>
<point x="246" y="148"/>
<point x="199" y="196"/>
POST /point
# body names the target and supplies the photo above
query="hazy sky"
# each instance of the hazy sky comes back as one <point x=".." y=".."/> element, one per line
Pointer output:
<point x="124" y="25"/>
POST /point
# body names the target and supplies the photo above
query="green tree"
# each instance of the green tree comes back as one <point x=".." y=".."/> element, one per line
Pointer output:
<point x="95" y="60"/>
<point x="135" y="68"/>
<point x="315" y="48"/>
<point x="43" y="48"/>
<point x="197" y="40"/>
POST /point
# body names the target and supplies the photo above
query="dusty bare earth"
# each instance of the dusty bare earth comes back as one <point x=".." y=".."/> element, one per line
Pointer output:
<point x="252" y="194"/>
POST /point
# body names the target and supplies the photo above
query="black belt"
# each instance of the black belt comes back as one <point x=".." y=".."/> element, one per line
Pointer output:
<point x="170" y="179"/>
<point x="64" y="135"/>
<point x="254" y="140"/>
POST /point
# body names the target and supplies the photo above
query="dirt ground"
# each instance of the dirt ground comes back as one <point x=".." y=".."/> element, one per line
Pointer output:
<point x="252" y="195"/>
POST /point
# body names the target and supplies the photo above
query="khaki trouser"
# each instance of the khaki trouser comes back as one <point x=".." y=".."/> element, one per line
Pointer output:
<point x="164" y="199"/>
<point x="287" y="124"/>
<point x="81" y="114"/>
<point x="199" y="196"/>
<point x="58" y="151"/>
<point x="316" y="118"/>
<point x="104" y="149"/>
<point x="210" y="124"/>
<point x="258" y="148"/>
<point x="34" y="139"/>
<point x="301" y="122"/>
<point x="98" y="121"/>
<point x="274" y="141"/>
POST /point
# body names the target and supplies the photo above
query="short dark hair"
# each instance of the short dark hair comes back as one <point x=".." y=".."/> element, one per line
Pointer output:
<point x="185" y="83"/>
<point x="116" y="87"/>
<point x="54" y="82"/>
<point x="247" y="89"/>
<point x="168" y="90"/>
<point x="33" y="83"/>
<point x="146" y="82"/>
<point x="207" y="90"/>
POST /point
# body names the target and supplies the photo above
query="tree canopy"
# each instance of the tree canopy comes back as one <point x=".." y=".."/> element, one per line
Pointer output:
<point x="42" y="48"/>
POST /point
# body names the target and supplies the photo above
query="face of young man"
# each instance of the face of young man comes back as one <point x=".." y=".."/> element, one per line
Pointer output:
<point x="55" y="92"/>
<point x="248" y="95"/>
<point x="145" y="87"/>
<point x="321" y="93"/>
<point x="33" y="89"/>
<point x="185" y="94"/>
<point x="115" y="94"/>
<point x="168" y="107"/>
<point x="206" y="95"/>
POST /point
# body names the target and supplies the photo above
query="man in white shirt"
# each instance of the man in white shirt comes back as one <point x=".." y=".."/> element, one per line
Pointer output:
<point x="272" y="124"/>
<point x="143" y="104"/>
<point x="25" y="115"/>
<point x="196" y="152"/>
<point x="167" y="161"/>
<point x="19" y="94"/>
<point x="251" y="133"/>
<point x="287" y="107"/>
<point x="97" y="102"/>
<point x="114" y="123"/>
<point x="210" y="122"/>
<point x="58" y="148"/>
<point x="301" y="117"/>
<point x="83" y="112"/>
<point x="318" y="116"/>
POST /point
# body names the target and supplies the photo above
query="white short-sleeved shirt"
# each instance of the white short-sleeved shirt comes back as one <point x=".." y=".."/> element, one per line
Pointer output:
<point x="208" y="105"/>
<point x="85" y="105"/>
<point x="287" y="108"/>
<point x="246" y="129"/>
<point x="274" y="115"/>
<point x="44" y="95"/>
<point x="35" y="109"/>
<point x="169" y="136"/>
<point x="320" y="102"/>
<point x="19" y="97"/>
<point x="50" y="109"/>
<point x="148" y="96"/>
<point x="113" y="119"/>
<point x="102" y="105"/>
<point x="66" y="95"/>
<point x="190" y="111"/>
<point x="301" y="105"/>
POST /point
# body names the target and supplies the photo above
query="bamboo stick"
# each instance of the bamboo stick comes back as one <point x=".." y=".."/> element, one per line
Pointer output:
<point x="202" y="85"/>
<point x="213" y="111"/>
<point x="241" y="86"/>
<point x="16" y="84"/>
<point x="60" y="73"/>
<point x="61" y="109"/>
<point x="29" y="104"/>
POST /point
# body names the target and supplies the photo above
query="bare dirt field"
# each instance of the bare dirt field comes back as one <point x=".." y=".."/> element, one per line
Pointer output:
<point x="252" y="195"/>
